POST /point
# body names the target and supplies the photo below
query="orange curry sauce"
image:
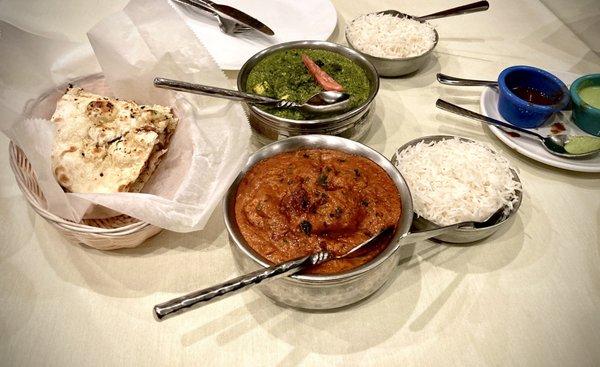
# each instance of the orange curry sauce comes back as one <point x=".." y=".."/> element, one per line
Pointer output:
<point x="296" y="203"/>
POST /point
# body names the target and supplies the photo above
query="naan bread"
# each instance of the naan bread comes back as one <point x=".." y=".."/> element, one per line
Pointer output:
<point x="105" y="145"/>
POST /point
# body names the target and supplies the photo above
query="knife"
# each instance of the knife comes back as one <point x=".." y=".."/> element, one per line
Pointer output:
<point x="236" y="14"/>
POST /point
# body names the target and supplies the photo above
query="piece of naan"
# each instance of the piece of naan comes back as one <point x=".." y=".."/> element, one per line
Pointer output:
<point x="104" y="145"/>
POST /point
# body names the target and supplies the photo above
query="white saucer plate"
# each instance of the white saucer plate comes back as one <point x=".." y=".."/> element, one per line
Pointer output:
<point x="531" y="147"/>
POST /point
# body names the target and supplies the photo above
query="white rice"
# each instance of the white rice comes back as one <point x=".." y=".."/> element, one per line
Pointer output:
<point x="453" y="181"/>
<point x="389" y="36"/>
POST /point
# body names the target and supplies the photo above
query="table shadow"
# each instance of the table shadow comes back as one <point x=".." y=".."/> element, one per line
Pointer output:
<point x="375" y="137"/>
<point x="17" y="302"/>
<point x="346" y="330"/>
<point x="17" y="222"/>
<point x="418" y="79"/>
<point x="343" y="330"/>
<point x="168" y="262"/>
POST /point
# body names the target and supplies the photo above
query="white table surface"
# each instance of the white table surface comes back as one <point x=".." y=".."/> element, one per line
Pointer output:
<point x="529" y="296"/>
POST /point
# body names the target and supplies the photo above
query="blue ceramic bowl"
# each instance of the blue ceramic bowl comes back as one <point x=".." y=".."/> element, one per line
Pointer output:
<point x="585" y="116"/>
<point x="520" y="112"/>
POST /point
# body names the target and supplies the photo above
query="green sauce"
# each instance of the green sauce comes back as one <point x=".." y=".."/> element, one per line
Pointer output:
<point x="282" y="75"/>
<point x="582" y="144"/>
<point x="591" y="95"/>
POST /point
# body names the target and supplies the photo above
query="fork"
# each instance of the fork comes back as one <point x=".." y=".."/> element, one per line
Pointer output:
<point x="226" y="25"/>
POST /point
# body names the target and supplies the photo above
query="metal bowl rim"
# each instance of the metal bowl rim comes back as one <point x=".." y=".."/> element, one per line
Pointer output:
<point x="326" y="142"/>
<point x="514" y="172"/>
<point x="305" y="123"/>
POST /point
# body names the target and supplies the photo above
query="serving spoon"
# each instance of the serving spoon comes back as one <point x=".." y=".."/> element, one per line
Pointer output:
<point x="464" y="9"/>
<point x="554" y="144"/>
<point x="321" y="103"/>
<point x="205" y="296"/>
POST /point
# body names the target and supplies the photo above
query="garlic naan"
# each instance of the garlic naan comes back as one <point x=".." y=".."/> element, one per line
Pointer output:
<point x="106" y="144"/>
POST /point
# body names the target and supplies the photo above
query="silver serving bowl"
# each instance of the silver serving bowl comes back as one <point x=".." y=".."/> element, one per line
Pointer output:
<point x="464" y="234"/>
<point x="353" y="124"/>
<point x="321" y="291"/>
<point x="394" y="67"/>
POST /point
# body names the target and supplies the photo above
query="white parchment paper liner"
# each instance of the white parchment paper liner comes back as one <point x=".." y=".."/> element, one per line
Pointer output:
<point x="145" y="40"/>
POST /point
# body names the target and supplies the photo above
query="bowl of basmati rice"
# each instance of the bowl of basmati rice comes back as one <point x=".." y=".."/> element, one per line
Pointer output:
<point x="393" y="42"/>
<point x="453" y="180"/>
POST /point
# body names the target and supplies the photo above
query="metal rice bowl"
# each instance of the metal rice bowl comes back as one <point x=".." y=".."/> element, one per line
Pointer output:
<point x="353" y="124"/>
<point x="467" y="234"/>
<point x="395" y="67"/>
<point x="320" y="292"/>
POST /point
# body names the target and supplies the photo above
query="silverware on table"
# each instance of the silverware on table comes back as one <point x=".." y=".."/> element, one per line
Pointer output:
<point x="226" y="25"/>
<point x="452" y="80"/>
<point x="554" y="144"/>
<point x="322" y="102"/>
<point x="236" y="14"/>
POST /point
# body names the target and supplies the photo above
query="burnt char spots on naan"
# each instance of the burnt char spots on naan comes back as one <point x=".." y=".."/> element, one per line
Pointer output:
<point x="104" y="145"/>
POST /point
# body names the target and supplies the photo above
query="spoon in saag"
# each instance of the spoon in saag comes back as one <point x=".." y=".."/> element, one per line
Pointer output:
<point x="321" y="103"/>
<point x="554" y="144"/>
<point x="205" y="296"/>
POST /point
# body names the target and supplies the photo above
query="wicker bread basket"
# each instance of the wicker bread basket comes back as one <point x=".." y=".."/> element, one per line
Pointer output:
<point x="103" y="234"/>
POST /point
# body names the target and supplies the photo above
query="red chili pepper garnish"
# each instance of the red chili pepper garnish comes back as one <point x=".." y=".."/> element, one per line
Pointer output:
<point x="327" y="82"/>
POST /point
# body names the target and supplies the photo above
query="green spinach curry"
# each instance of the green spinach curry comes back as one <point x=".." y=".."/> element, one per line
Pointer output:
<point x="282" y="75"/>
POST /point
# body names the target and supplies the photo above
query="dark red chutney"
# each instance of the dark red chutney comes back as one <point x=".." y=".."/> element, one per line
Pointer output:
<point x="535" y="96"/>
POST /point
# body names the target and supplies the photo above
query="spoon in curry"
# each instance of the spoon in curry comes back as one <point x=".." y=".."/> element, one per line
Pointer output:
<point x="322" y="102"/>
<point x="205" y="296"/>
<point x="554" y="144"/>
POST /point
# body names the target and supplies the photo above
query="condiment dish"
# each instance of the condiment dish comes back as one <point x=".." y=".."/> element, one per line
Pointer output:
<point x="586" y="116"/>
<point x="546" y="94"/>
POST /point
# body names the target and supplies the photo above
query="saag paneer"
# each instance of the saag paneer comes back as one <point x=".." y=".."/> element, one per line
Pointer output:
<point x="283" y="75"/>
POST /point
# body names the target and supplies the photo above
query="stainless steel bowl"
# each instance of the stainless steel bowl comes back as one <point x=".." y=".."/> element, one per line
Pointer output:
<point x="465" y="234"/>
<point x="321" y="291"/>
<point x="353" y="124"/>
<point x="393" y="67"/>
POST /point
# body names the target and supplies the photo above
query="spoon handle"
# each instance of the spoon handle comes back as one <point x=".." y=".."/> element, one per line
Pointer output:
<point x="205" y="296"/>
<point x="451" y="80"/>
<point x="440" y="103"/>
<point x="412" y="237"/>
<point x="464" y="9"/>
<point x="208" y="90"/>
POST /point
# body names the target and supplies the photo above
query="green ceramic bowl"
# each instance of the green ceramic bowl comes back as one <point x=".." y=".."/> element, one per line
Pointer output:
<point x="587" y="117"/>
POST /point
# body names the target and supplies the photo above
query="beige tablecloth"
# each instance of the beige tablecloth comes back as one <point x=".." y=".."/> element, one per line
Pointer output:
<point x="528" y="296"/>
